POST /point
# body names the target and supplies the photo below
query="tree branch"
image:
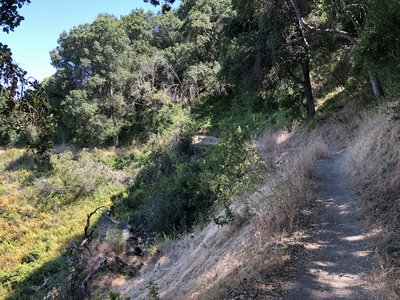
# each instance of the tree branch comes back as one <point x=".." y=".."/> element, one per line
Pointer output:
<point x="333" y="32"/>
<point x="304" y="25"/>
<point x="301" y="22"/>
<point x="89" y="236"/>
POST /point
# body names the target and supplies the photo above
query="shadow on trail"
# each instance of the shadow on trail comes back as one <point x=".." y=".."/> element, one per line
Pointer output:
<point x="337" y="261"/>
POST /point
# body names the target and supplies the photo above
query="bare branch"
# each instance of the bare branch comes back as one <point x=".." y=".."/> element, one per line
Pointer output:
<point x="333" y="32"/>
<point x="302" y="23"/>
<point x="89" y="236"/>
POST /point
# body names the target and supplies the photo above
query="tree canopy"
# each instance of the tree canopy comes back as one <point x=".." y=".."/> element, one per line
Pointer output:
<point x="9" y="14"/>
<point x="114" y="74"/>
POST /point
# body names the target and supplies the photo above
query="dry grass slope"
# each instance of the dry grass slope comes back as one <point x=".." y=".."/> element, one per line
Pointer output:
<point x="209" y="263"/>
<point x="374" y="169"/>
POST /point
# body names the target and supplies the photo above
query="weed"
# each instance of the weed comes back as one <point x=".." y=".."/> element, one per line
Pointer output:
<point x="153" y="291"/>
<point x="115" y="239"/>
<point x="225" y="219"/>
<point x="114" y="295"/>
<point x="37" y="223"/>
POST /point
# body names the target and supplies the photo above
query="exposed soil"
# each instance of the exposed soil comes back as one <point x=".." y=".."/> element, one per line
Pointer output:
<point x="338" y="260"/>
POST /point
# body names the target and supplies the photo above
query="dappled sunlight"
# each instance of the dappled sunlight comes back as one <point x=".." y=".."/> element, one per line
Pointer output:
<point x="38" y="229"/>
<point x="354" y="238"/>
<point x="338" y="255"/>
<point x="283" y="137"/>
<point x="321" y="102"/>
<point x="315" y="246"/>
<point x="207" y="263"/>
<point x="200" y="151"/>
<point x="323" y="264"/>
<point x="118" y="282"/>
<point x="363" y="253"/>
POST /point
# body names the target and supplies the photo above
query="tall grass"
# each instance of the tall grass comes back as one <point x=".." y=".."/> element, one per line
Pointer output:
<point x="291" y="185"/>
<point x="374" y="170"/>
<point x="42" y="212"/>
<point x="373" y="164"/>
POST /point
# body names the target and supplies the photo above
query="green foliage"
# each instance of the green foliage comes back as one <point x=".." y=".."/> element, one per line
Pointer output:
<point x="113" y="295"/>
<point x="227" y="218"/>
<point x="166" y="34"/>
<point x="9" y="15"/>
<point x="152" y="82"/>
<point x="93" y="66"/>
<point x="262" y="56"/>
<point x="39" y="119"/>
<point x="71" y="179"/>
<point x="379" y="48"/>
<point x="153" y="291"/>
<point x="30" y="122"/>
<point x="187" y="184"/>
<point x="21" y="108"/>
<point x="139" y="26"/>
<point x="40" y="217"/>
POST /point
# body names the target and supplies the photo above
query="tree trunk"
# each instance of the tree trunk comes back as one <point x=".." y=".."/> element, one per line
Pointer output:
<point x="376" y="85"/>
<point x="308" y="89"/>
<point x="306" y="62"/>
<point x="116" y="140"/>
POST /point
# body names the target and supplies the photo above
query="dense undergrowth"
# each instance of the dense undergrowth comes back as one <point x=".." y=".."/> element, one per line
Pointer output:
<point x="177" y="183"/>
<point x="43" y="209"/>
<point x="169" y="179"/>
<point x="165" y="177"/>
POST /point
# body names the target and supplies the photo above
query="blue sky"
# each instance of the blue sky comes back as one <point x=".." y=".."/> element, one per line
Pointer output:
<point x="37" y="35"/>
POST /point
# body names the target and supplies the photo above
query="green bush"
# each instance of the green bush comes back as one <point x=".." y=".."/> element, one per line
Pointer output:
<point x="379" y="49"/>
<point x="72" y="178"/>
<point x="181" y="190"/>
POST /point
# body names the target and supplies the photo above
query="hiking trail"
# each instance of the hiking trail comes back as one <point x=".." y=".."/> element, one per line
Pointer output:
<point x="338" y="258"/>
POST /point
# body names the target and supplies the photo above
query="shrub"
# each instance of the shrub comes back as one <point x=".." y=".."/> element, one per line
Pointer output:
<point x="72" y="178"/>
<point x="153" y="291"/>
<point x="180" y="190"/>
<point x="115" y="239"/>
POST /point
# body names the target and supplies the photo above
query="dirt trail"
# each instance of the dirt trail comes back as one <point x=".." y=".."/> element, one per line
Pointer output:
<point x="338" y="260"/>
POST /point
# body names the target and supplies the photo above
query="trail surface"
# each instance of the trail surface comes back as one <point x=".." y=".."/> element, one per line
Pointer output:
<point x="337" y="260"/>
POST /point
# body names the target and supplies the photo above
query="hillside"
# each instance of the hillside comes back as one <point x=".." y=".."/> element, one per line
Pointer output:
<point x="219" y="150"/>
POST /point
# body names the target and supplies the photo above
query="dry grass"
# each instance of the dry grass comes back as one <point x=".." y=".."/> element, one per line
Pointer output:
<point x="206" y="263"/>
<point x="209" y="263"/>
<point x="292" y="186"/>
<point x="335" y="130"/>
<point x="374" y="166"/>
<point x="374" y="170"/>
